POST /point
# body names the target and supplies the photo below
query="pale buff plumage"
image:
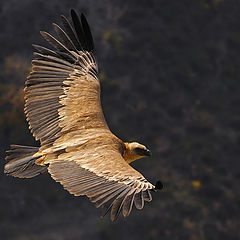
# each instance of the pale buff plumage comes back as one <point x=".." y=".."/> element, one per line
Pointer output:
<point x="64" y="112"/>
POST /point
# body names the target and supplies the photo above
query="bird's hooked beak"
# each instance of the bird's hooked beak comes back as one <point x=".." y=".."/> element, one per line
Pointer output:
<point x="142" y="152"/>
<point x="147" y="153"/>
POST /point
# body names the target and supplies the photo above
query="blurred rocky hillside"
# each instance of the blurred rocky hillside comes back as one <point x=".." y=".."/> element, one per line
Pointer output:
<point x="170" y="75"/>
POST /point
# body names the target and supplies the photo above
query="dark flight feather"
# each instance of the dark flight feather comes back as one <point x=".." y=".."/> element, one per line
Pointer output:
<point x="45" y="51"/>
<point x="70" y="32"/>
<point x="79" y="30"/>
<point x="87" y="32"/>
<point x="64" y="38"/>
<point x="138" y="200"/>
<point x="56" y="44"/>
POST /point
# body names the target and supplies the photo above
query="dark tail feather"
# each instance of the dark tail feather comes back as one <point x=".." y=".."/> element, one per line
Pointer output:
<point x="20" y="162"/>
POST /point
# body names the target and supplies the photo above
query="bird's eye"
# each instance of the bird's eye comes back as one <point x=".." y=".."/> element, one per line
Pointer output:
<point x="139" y="151"/>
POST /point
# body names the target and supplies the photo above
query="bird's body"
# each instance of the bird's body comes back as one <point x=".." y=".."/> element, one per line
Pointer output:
<point x="63" y="109"/>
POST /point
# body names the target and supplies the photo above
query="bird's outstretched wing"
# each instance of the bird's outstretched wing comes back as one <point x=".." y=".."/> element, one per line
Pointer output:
<point x="64" y="112"/>
<point x="104" y="177"/>
<point x="62" y="92"/>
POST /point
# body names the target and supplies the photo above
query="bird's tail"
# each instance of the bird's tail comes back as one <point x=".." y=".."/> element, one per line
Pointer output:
<point x="21" y="163"/>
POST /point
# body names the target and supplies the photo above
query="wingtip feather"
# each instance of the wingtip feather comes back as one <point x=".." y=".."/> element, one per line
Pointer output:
<point x="158" y="185"/>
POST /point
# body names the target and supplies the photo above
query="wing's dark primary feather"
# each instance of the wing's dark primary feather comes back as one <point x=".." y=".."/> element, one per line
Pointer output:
<point x="79" y="30"/>
<point x="55" y="43"/>
<point x="64" y="38"/>
<point x="45" y="51"/>
<point x="87" y="33"/>
<point x="70" y="32"/>
<point x="138" y="200"/>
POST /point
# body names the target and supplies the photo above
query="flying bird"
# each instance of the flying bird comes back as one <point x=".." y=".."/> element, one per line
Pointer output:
<point x="63" y="109"/>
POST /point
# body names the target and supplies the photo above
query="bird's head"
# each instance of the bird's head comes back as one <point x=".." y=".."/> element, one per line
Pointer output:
<point x="135" y="151"/>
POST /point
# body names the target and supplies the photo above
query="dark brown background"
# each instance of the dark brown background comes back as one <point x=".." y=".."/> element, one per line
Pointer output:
<point x="170" y="73"/>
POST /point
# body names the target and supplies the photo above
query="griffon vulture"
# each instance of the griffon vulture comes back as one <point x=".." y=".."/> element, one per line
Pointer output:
<point x="63" y="109"/>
